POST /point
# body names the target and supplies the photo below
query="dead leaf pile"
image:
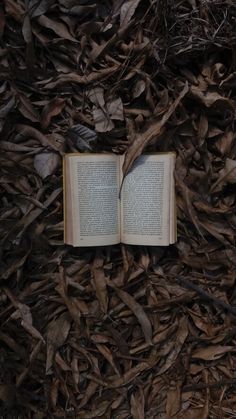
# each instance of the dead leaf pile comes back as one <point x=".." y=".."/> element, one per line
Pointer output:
<point x="122" y="332"/>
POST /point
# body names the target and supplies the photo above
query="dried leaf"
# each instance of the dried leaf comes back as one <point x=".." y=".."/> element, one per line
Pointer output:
<point x="127" y="10"/>
<point x="53" y="108"/>
<point x="209" y="98"/>
<point x="86" y="79"/>
<point x="139" y="88"/>
<point x="83" y="137"/>
<point x="39" y="7"/>
<point x="23" y="312"/>
<point x="141" y="140"/>
<point x="108" y="355"/>
<point x="228" y="173"/>
<point x="173" y="399"/>
<point x="59" y="28"/>
<point x="102" y="120"/>
<point x="27" y="109"/>
<point x="26" y="130"/>
<point x="26" y="29"/>
<point x="46" y="163"/>
<point x="6" y="108"/>
<point x="115" y="109"/>
<point x="100" y="283"/>
<point x="57" y="333"/>
<point x="211" y="353"/>
<point x="137" y="402"/>
<point x="179" y="340"/>
<point x="137" y="309"/>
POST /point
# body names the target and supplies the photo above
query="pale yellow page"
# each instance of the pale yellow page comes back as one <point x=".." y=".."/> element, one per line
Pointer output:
<point x="94" y="191"/>
<point x="173" y="232"/>
<point x="68" y="227"/>
<point x="145" y="201"/>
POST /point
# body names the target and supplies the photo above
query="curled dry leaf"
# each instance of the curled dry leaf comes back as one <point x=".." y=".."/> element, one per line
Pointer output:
<point x="57" y="332"/>
<point x="137" y="402"/>
<point x="53" y="108"/>
<point x="46" y="163"/>
<point x="140" y="140"/>
<point x="139" y="88"/>
<point x="173" y="400"/>
<point x="228" y="173"/>
<point x="127" y="10"/>
<point x="7" y="107"/>
<point x="24" y="314"/>
<point x="58" y="27"/>
<point x="82" y="137"/>
<point x="27" y="109"/>
<point x="100" y="283"/>
<point x="212" y="352"/>
<point x="137" y="309"/>
<point x="28" y="131"/>
<point x="104" y="113"/>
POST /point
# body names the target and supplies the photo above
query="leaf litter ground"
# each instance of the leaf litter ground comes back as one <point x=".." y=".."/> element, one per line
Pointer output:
<point x="120" y="332"/>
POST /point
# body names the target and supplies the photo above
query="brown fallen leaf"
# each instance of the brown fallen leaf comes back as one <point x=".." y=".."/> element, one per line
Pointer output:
<point x="23" y="312"/>
<point x="127" y="10"/>
<point x="137" y="402"/>
<point x="57" y="333"/>
<point x="137" y="309"/>
<point x="209" y="98"/>
<point x="108" y="356"/>
<point x="177" y="344"/>
<point x="139" y="88"/>
<point x="18" y="263"/>
<point x="46" y="163"/>
<point x="211" y="353"/>
<point x="100" y="283"/>
<point x="115" y="109"/>
<point x="102" y="120"/>
<point x="53" y="108"/>
<point x="228" y="173"/>
<point x="27" y="109"/>
<point x="82" y="137"/>
<point x="133" y="372"/>
<point x="28" y="131"/>
<point x="85" y="79"/>
<point x="173" y="399"/>
<point x="140" y="140"/>
<point x="59" y="28"/>
<point x="7" y="107"/>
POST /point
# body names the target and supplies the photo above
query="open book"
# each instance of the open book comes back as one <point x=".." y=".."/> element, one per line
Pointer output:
<point x="95" y="214"/>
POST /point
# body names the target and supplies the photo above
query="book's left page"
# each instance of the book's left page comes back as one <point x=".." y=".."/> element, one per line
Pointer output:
<point x="91" y="199"/>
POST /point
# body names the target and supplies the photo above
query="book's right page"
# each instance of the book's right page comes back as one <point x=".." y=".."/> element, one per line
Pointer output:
<point x="173" y="207"/>
<point x="147" y="201"/>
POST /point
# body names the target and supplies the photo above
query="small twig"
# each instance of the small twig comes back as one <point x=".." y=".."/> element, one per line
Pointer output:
<point x="205" y="295"/>
<point x="220" y="26"/>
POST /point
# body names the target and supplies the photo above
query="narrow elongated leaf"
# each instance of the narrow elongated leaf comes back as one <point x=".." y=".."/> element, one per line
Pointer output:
<point x="137" y="309"/>
<point x="127" y="10"/>
<point x="82" y="137"/>
<point x="57" y="334"/>
<point x="53" y="108"/>
<point x="140" y="140"/>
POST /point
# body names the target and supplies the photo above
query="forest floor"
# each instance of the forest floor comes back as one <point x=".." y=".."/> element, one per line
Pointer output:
<point x="124" y="331"/>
